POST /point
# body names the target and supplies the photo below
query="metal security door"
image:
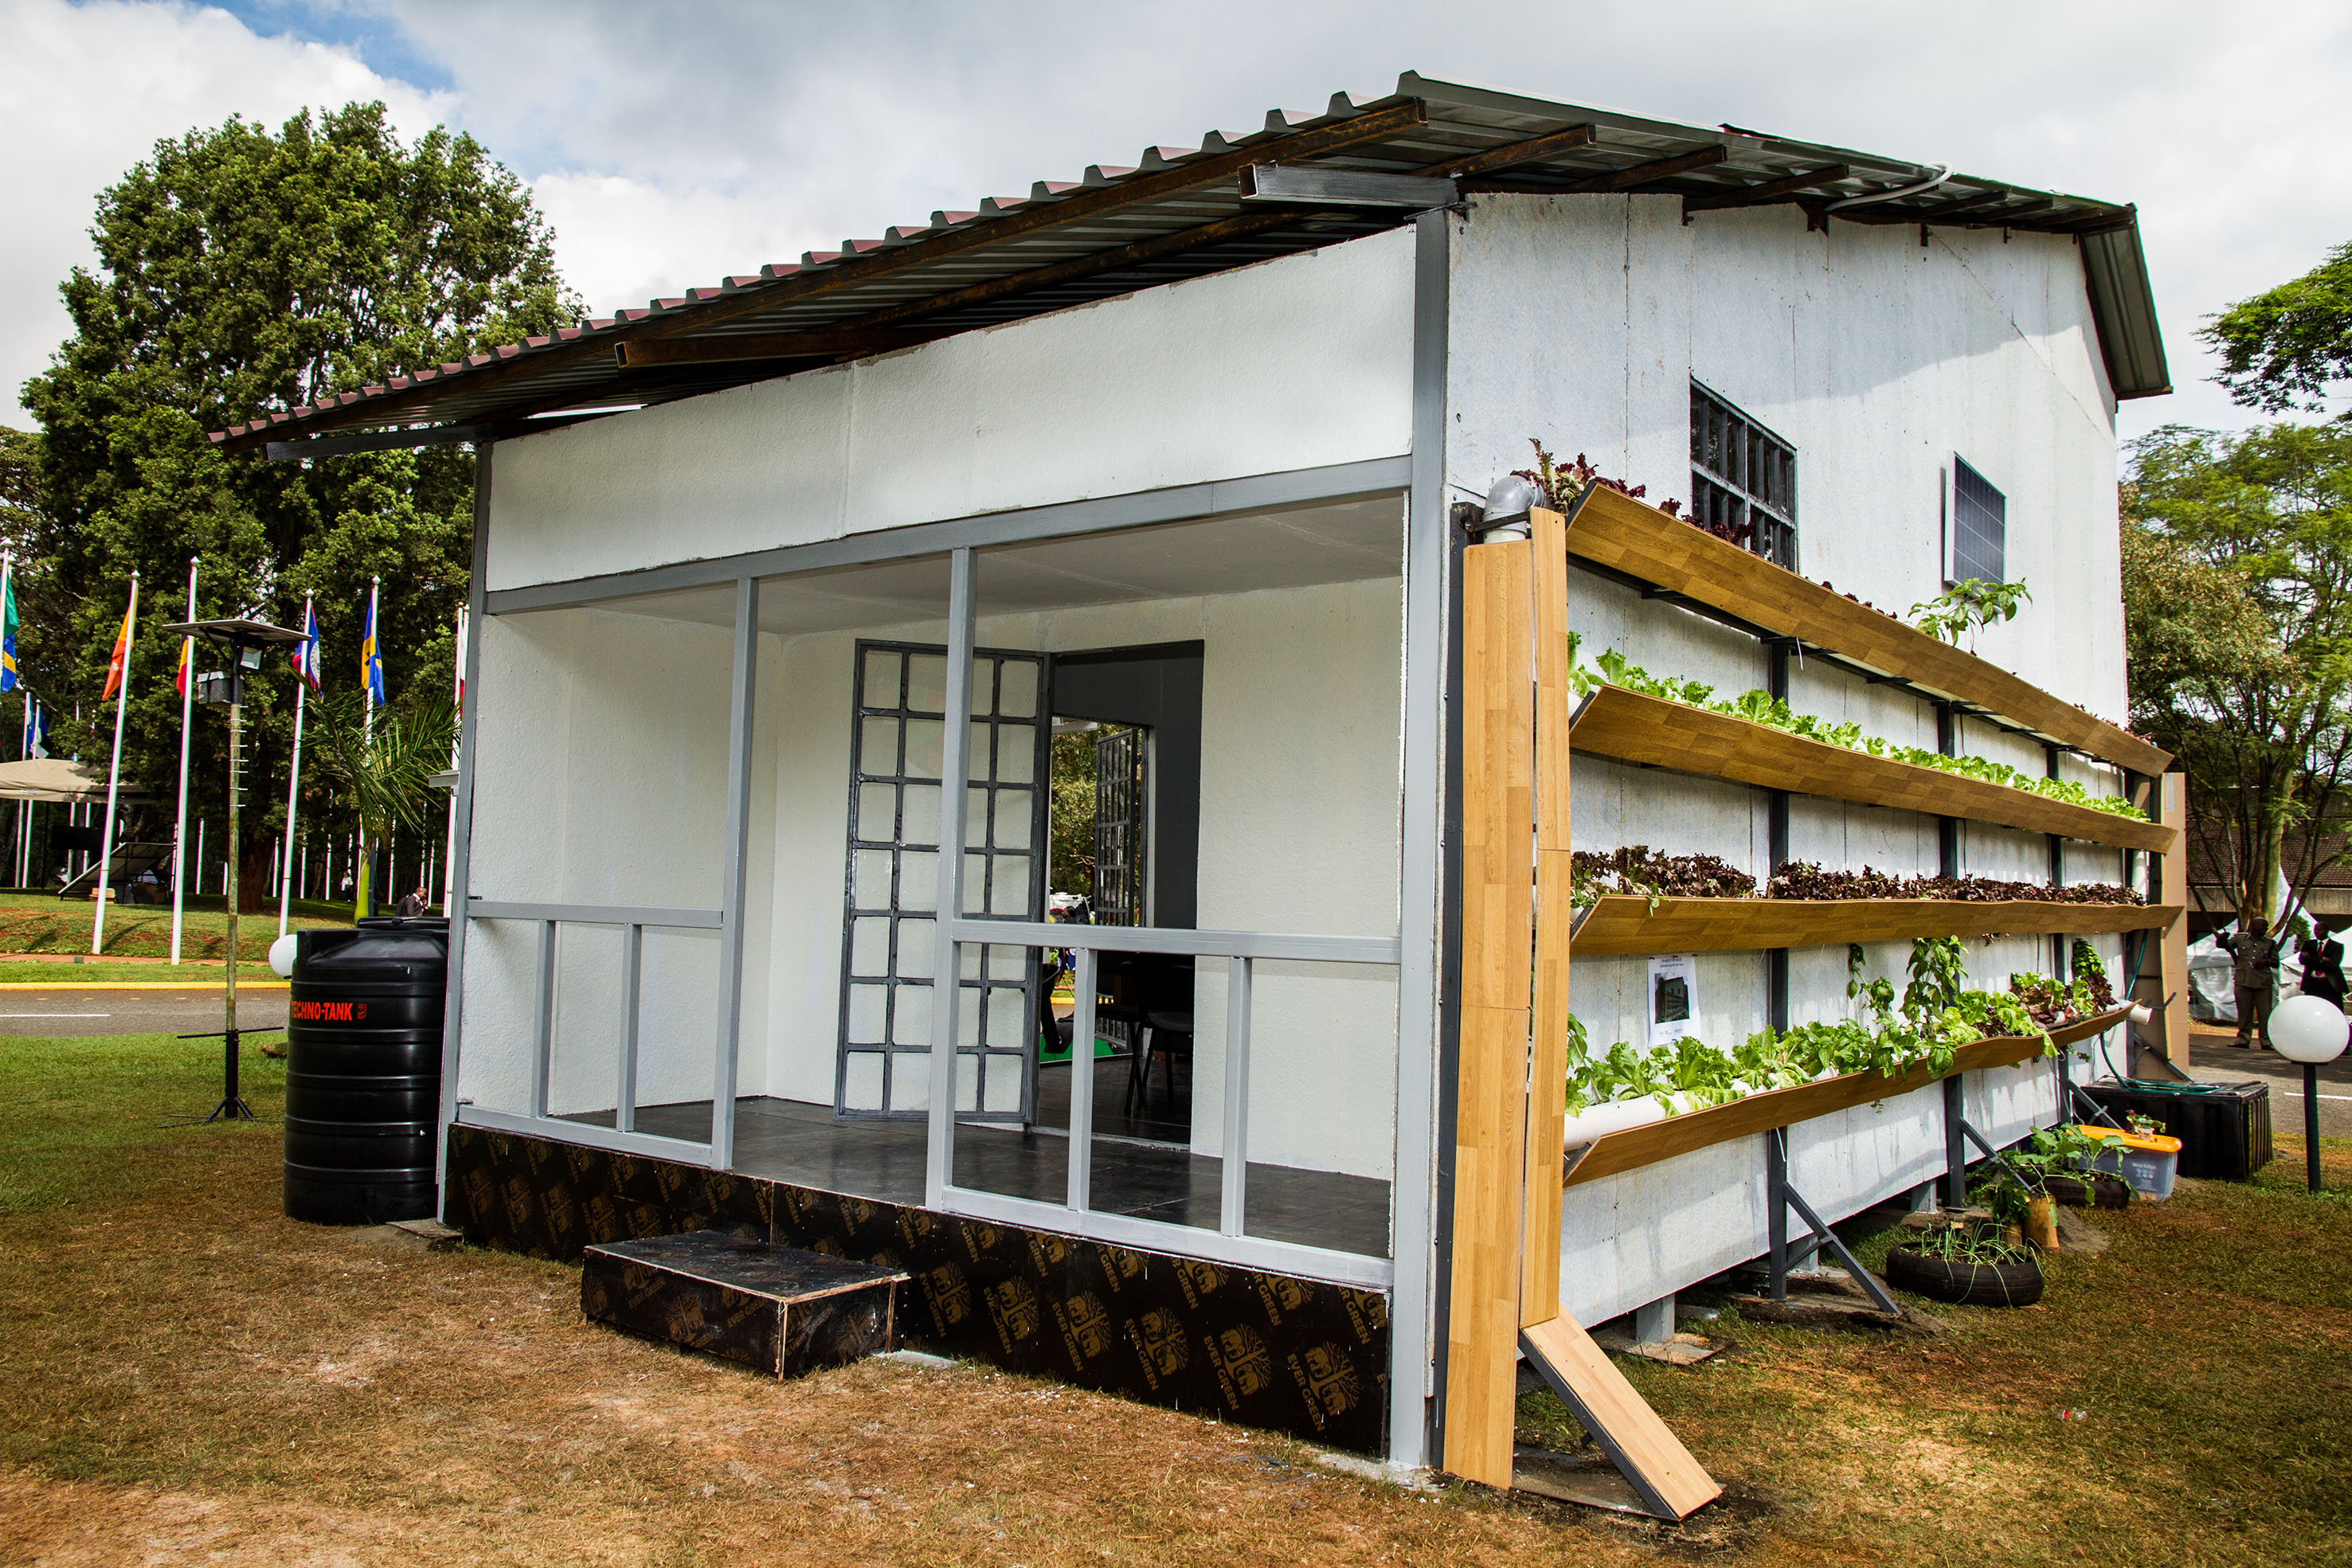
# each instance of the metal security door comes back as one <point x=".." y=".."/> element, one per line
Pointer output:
<point x="889" y="936"/>
<point x="1120" y="795"/>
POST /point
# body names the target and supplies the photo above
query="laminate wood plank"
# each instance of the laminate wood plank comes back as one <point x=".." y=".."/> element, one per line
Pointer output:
<point x="1622" y="925"/>
<point x="1491" y="1087"/>
<point x="1621" y="533"/>
<point x="1620" y="1419"/>
<point x="1638" y="1147"/>
<point x="2172" y="966"/>
<point x="1555" y="919"/>
<point x="1547" y="1090"/>
<point x="1634" y="727"/>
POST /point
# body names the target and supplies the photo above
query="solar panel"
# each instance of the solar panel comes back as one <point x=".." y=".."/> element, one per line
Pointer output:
<point x="1979" y="526"/>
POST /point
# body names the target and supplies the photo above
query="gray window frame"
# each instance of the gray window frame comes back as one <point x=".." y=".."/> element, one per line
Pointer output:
<point x="920" y="835"/>
<point x="1730" y="451"/>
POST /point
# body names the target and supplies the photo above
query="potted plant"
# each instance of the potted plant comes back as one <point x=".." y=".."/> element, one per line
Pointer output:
<point x="1966" y="1262"/>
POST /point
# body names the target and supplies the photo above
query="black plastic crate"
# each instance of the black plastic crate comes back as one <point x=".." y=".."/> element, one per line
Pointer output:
<point x="2224" y="1128"/>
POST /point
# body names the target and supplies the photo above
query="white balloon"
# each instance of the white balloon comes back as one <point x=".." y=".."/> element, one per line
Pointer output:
<point x="2308" y="1029"/>
<point x="281" y="954"/>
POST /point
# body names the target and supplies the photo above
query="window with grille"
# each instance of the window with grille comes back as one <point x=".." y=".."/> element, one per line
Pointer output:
<point x="1980" y="527"/>
<point x="1743" y="480"/>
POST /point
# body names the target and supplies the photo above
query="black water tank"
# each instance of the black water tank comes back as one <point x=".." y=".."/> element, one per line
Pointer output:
<point x="363" y="1071"/>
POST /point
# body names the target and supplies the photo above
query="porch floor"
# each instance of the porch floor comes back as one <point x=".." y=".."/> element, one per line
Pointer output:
<point x="796" y="1142"/>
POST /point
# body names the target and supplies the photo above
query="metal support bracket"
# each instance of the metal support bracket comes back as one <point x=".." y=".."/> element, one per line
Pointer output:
<point x="1780" y="1196"/>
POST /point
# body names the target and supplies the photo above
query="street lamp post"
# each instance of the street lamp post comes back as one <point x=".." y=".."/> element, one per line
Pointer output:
<point x="2310" y="1030"/>
<point x="245" y="642"/>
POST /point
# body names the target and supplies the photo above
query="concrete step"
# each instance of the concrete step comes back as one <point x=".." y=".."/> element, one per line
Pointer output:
<point x="781" y="1310"/>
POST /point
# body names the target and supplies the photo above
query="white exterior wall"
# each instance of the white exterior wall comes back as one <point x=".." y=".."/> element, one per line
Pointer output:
<point x="1582" y="321"/>
<point x="1297" y="362"/>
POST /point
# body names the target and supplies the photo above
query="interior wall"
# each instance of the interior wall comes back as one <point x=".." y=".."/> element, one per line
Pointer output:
<point x="600" y="779"/>
<point x="1300" y="781"/>
<point x="1296" y="363"/>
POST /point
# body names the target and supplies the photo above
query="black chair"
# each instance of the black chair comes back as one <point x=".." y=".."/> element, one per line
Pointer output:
<point x="1162" y="1000"/>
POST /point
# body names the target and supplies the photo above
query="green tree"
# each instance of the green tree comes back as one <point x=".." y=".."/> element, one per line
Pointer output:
<point x="240" y="271"/>
<point x="2282" y="348"/>
<point x="2237" y="573"/>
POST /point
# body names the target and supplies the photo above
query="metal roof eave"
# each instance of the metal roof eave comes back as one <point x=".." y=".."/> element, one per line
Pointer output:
<point x="983" y="256"/>
<point x="2122" y="305"/>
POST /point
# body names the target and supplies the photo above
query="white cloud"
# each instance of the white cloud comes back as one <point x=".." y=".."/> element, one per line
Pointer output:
<point x="85" y="91"/>
<point x="672" y="145"/>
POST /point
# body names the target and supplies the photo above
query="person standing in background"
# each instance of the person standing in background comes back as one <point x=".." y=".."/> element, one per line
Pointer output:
<point x="2254" y="956"/>
<point x="2322" y="957"/>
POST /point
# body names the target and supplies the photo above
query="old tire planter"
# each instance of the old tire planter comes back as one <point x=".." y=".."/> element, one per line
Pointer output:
<point x="2105" y="1191"/>
<point x="1964" y="1284"/>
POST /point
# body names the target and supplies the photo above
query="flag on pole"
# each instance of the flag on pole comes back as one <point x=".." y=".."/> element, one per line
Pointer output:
<point x="180" y="679"/>
<point x="306" y="651"/>
<point x="120" y="659"/>
<point x="7" y="630"/>
<point x="370" y="660"/>
<point x="40" y="731"/>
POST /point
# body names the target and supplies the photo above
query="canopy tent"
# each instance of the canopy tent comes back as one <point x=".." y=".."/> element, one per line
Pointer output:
<point x="56" y="779"/>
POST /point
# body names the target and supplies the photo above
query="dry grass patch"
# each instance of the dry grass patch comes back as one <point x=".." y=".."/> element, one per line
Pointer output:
<point x="186" y="1376"/>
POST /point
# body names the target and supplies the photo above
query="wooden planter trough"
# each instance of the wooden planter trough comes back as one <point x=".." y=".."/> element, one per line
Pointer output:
<point x="1623" y="925"/>
<point x="1635" y="1146"/>
<point x="1633" y="728"/>
<point x="1622" y="534"/>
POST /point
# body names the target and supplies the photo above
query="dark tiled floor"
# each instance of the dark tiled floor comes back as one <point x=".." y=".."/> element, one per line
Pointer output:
<point x="1162" y="1114"/>
<point x="791" y="1141"/>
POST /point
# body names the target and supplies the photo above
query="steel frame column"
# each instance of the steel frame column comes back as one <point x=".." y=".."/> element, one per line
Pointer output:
<point x="1412" y="1348"/>
<point x="462" y="842"/>
<point x="947" y="980"/>
<point x="734" y="853"/>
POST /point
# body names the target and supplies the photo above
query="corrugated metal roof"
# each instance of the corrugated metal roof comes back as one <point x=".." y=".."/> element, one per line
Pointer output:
<point x="1178" y="212"/>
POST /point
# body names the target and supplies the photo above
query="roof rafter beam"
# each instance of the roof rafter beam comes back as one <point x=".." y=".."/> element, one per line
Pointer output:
<point x="1615" y="180"/>
<point x="829" y="342"/>
<point x="1768" y="191"/>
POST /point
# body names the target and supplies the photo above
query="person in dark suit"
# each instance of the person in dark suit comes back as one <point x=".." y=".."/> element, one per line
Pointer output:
<point x="2322" y="957"/>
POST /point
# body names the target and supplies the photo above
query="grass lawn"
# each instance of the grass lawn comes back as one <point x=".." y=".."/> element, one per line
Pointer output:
<point x="202" y="974"/>
<point x="186" y="1375"/>
<point x="43" y="923"/>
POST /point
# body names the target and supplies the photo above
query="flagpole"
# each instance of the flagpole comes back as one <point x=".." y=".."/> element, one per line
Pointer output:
<point x="114" y="773"/>
<point x="293" y="785"/>
<point x="187" y="723"/>
<point x="362" y="861"/>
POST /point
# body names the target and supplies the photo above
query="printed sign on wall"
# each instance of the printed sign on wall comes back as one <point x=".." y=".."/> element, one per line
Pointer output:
<point x="1673" y="997"/>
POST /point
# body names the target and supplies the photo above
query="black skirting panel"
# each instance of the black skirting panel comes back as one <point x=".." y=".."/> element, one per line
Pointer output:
<point x="1285" y="1354"/>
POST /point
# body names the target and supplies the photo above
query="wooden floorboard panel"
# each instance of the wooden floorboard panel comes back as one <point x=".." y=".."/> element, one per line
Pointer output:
<point x="1497" y="931"/>
<point x="1643" y="1447"/>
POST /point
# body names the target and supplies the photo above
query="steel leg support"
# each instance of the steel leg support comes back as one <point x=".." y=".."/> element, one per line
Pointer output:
<point x="1956" y="1150"/>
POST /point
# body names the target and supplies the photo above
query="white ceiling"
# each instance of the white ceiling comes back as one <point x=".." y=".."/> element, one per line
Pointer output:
<point x="1348" y="542"/>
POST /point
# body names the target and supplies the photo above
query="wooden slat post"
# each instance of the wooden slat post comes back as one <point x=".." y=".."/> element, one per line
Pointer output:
<point x="1491" y="1106"/>
<point x="2172" y="796"/>
<point x="1548" y="1056"/>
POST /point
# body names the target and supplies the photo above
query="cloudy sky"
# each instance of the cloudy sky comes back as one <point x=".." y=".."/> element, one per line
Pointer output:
<point x="672" y="144"/>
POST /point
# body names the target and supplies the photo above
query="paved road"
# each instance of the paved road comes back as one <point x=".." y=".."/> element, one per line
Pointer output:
<point x="2213" y="1059"/>
<point x="69" y="1009"/>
